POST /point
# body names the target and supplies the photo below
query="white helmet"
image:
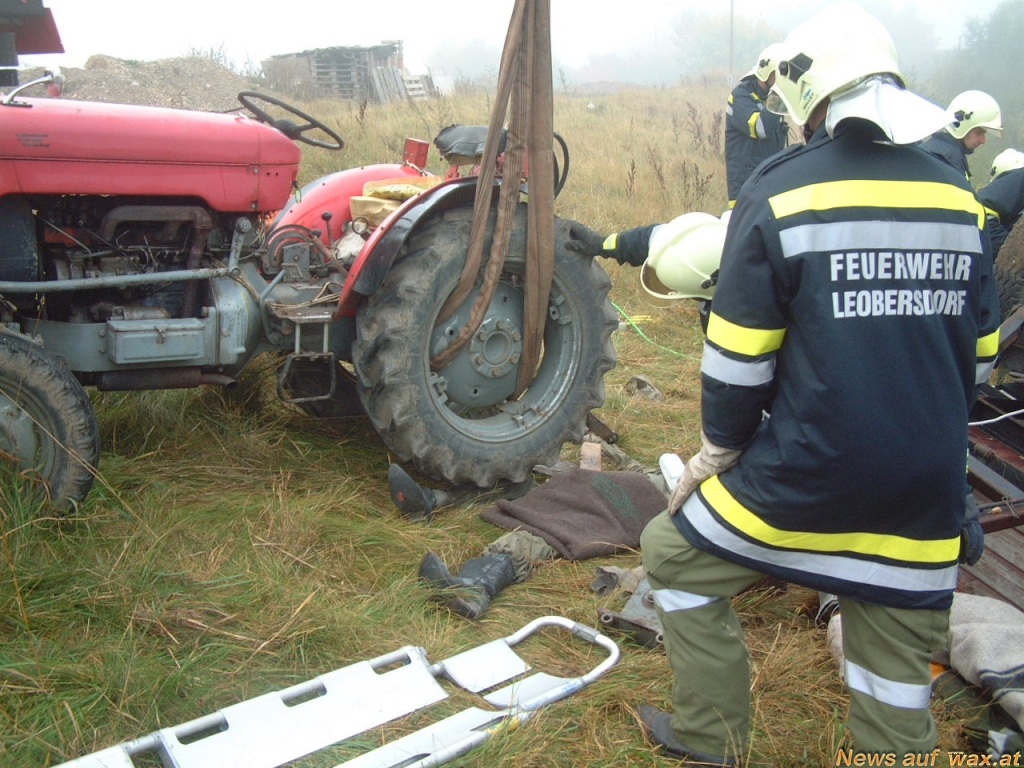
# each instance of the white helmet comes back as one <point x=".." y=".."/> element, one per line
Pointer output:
<point x="974" y="109"/>
<point x="683" y="258"/>
<point x="766" y="63"/>
<point x="1007" y="160"/>
<point x="836" y="48"/>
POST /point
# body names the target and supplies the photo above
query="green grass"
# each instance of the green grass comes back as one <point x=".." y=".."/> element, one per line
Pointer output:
<point x="235" y="545"/>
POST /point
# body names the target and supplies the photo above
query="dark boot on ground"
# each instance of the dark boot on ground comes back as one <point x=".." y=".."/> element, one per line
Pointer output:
<point x="417" y="502"/>
<point x="468" y="593"/>
<point x="658" y="727"/>
<point x="413" y="500"/>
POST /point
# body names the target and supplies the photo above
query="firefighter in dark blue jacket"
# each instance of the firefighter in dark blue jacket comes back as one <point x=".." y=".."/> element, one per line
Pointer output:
<point x="855" y="304"/>
<point x="974" y="114"/>
<point x="752" y="133"/>
<point x="1003" y="196"/>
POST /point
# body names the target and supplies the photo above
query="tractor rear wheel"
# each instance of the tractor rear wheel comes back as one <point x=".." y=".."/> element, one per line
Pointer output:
<point x="1010" y="279"/>
<point x="1010" y="271"/>
<point x="462" y="423"/>
<point x="47" y="423"/>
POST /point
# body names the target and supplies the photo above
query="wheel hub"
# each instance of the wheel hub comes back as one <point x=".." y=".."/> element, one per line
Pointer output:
<point x="496" y="347"/>
<point x="485" y="370"/>
<point x="17" y="431"/>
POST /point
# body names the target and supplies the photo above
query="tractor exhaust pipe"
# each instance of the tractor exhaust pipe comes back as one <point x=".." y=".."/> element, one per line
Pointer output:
<point x="160" y="378"/>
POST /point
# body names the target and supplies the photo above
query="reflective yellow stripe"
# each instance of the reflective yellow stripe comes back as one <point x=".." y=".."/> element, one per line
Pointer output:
<point x="988" y="346"/>
<point x="994" y="214"/>
<point x="745" y="341"/>
<point x="752" y="125"/>
<point x="611" y="242"/>
<point x="876" y="194"/>
<point x="897" y="548"/>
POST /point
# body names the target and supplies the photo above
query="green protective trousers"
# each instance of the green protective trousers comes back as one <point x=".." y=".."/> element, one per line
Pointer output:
<point x="887" y="669"/>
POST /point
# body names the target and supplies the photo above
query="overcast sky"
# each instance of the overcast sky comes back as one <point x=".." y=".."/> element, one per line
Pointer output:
<point x="250" y="31"/>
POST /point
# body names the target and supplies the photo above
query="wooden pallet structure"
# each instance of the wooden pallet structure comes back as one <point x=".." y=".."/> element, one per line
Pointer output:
<point x="374" y="74"/>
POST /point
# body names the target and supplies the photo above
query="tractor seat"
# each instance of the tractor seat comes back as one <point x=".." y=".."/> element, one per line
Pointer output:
<point x="464" y="144"/>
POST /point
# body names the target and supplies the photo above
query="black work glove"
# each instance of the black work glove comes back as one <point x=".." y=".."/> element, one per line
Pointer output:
<point x="972" y="536"/>
<point x="584" y="241"/>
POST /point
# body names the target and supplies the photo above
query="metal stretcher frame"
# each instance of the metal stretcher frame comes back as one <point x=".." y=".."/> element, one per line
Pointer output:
<point x="283" y="726"/>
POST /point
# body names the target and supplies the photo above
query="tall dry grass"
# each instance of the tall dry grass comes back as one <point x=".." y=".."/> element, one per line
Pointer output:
<point x="236" y="545"/>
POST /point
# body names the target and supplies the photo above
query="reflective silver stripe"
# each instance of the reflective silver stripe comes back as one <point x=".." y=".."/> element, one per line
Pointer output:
<point x="740" y="374"/>
<point x="847" y="236"/>
<point x="834" y="566"/>
<point x="983" y="371"/>
<point x="759" y="127"/>
<point x="891" y="692"/>
<point x="677" y="600"/>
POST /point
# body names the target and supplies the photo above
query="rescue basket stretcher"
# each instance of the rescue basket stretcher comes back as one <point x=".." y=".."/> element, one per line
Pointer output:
<point x="283" y="726"/>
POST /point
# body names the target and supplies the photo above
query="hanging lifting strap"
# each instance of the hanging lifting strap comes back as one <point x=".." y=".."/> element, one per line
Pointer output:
<point x="525" y="81"/>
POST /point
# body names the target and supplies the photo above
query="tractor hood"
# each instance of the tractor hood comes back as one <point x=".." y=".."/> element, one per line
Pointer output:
<point x="233" y="162"/>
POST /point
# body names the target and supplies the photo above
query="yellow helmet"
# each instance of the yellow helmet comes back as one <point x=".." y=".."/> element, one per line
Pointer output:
<point x="683" y="258"/>
<point x="836" y="48"/>
<point x="766" y="63"/>
<point x="1007" y="160"/>
<point x="974" y="109"/>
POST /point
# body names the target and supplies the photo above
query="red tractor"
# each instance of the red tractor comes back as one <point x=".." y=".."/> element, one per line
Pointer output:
<point x="145" y="248"/>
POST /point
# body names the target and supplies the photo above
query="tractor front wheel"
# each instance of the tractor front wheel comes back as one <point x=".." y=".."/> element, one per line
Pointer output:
<point x="48" y="427"/>
<point x="463" y="423"/>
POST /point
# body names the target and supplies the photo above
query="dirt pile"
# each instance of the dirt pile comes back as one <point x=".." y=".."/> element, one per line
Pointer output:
<point x="193" y="82"/>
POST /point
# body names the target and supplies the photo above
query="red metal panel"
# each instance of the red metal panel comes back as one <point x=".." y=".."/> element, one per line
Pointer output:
<point x="71" y="147"/>
<point x="416" y="151"/>
<point x="332" y="193"/>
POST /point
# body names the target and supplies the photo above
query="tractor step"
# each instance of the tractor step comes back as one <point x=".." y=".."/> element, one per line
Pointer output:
<point x="330" y="365"/>
<point x="308" y="316"/>
<point x="305" y="314"/>
<point x="283" y="726"/>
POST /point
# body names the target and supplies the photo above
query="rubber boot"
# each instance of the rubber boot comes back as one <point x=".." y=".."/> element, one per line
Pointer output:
<point x="413" y="500"/>
<point x="469" y="593"/>
<point x="658" y="727"/>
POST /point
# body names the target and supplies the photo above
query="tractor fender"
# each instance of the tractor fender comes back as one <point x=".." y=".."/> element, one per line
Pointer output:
<point x="382" y="248"/>
<point x="333" y="193"/>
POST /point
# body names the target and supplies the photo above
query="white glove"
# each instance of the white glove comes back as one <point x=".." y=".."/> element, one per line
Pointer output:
<point x="711" y="460"/>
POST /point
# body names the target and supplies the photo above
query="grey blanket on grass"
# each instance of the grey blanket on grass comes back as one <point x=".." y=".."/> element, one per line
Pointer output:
<point x="987" y="648"/>
<point x="583" y="513"/>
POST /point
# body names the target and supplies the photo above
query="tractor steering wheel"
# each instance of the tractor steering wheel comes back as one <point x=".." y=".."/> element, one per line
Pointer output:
<point x="295" y="132"/>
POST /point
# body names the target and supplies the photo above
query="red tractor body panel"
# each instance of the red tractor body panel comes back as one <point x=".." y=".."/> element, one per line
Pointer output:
<point x="334" y="193"/>
<point x="350" y="299"/>
<point x="384" y="243"/>
<point x="233" y="162"/>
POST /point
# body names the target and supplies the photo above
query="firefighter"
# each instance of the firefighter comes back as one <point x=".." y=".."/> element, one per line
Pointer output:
<point x="975" y="113"/>
<point x="677" y="260"/>
<point x="751" y="132"/>
<point x="1003" y="196"/>
<point x="855" y="304"/>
